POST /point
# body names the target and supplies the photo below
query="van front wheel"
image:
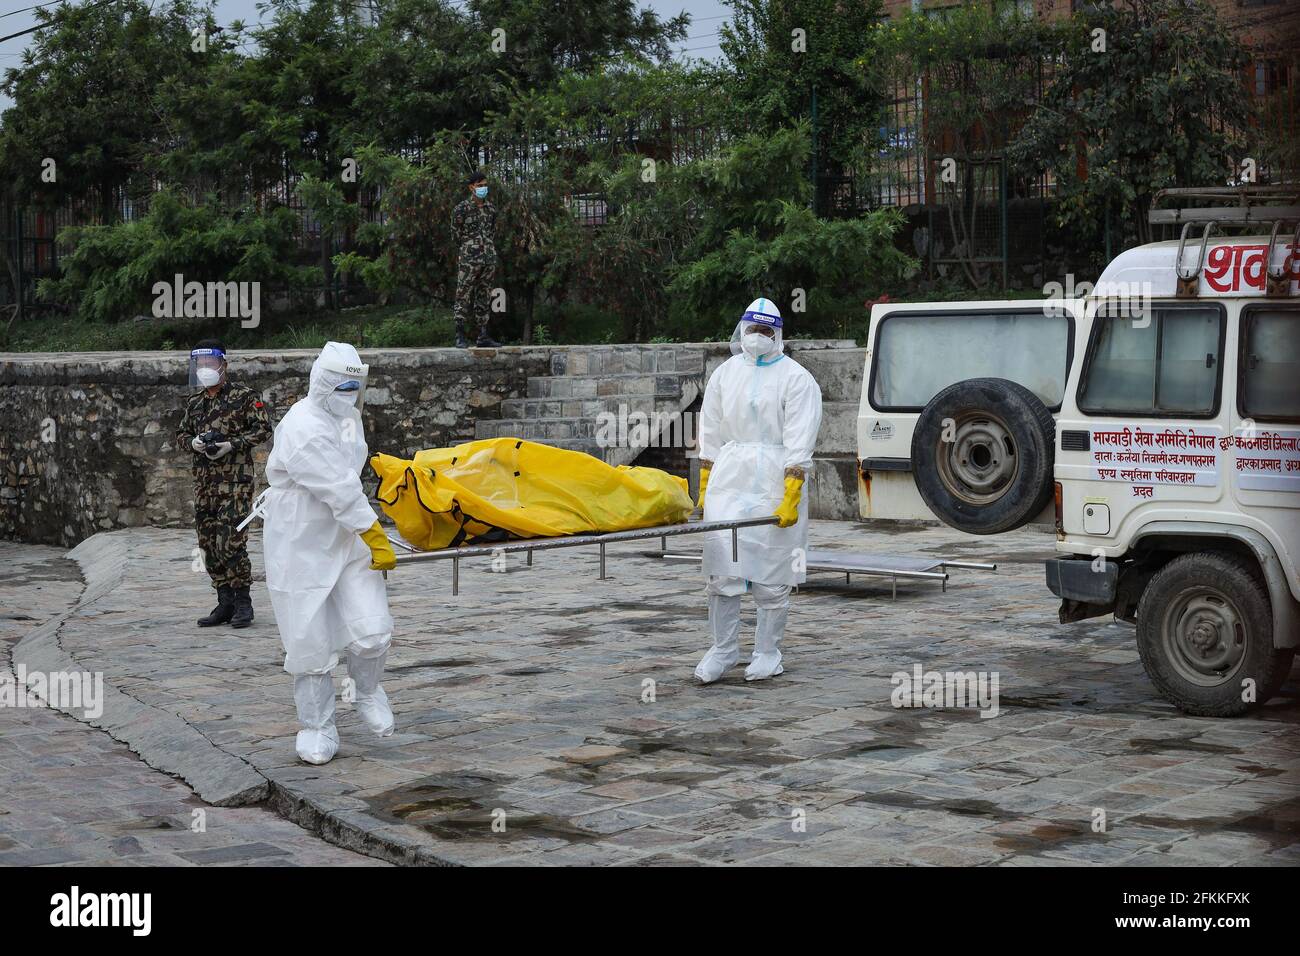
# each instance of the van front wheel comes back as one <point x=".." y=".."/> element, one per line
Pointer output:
<point x="1205" y="635"/>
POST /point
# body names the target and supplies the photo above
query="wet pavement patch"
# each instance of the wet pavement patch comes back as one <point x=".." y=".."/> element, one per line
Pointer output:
<point x="469" y="807"/>
<point x="1260" y="771"/>
<point x="734" y="748"/>
<point x="1050" y="835"/>
<point x="1159" y="745"/>
<point x="570" y="636"/>
<point x="1040" y="700"/>
<point x="965" y="806"/>
<point x="1279" y="823"/>
<point x="442" y="662"/>
<point x="63" y="571"/>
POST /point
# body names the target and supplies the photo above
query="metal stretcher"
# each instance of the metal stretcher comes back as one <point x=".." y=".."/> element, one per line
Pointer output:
<point x="892" y="566"/>
<point x="602" y="541"/>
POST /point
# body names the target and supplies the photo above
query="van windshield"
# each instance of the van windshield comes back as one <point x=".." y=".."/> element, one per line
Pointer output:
<point x="918" y="354"/>
<point x="1164" y="364"/>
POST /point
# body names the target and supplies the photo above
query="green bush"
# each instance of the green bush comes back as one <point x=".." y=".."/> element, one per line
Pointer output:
<point x="109" y="271"/>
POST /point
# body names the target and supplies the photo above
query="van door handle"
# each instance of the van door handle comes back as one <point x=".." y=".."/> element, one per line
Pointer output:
<point x="1209" y="360"/>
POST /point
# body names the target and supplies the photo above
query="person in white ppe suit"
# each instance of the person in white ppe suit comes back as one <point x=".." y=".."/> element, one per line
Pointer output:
<point x="758" y="427"/>
<point x="324" y="551"/>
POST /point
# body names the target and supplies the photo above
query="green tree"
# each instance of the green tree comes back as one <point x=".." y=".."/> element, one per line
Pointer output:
<point x="802" y="59"/>
<point x="1153" y="100"/>
<point x="424" y="69"/>
<point x="87" y="96"/>
<point x="757" y="236"/>
<point x="109" y="271"/>
<point x="976" y="74"/>
<point x="541" y="39"/>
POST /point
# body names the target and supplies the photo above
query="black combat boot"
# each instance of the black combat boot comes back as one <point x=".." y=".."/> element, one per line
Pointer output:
<point x="461" y="341"/>
<point x="224" y="610"/>
<point x="486" y="343"/>
<point x="243" y="615"/>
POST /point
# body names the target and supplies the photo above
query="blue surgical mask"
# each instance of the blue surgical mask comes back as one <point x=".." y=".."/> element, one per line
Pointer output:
<point x="480" y="192"/>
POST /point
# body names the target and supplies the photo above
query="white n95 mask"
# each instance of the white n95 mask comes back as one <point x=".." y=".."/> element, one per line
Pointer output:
<point x="756" y="344"/>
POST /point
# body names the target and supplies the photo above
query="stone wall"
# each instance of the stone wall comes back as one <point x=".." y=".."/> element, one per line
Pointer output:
<point x="87" y="441"/>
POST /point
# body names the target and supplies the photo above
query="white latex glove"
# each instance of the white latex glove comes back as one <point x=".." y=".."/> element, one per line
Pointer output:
<point x="223" y="448"/>
<point x="197" y="444"/>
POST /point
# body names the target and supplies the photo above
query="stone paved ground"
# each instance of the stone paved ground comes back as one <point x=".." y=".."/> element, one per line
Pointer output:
<point x="72" y="795"/>
<point x="562" y="709"/>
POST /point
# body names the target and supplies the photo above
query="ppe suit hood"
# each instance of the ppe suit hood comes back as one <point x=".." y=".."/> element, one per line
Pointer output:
<point x="337" y="363"/>
<point x="764" y="313"/>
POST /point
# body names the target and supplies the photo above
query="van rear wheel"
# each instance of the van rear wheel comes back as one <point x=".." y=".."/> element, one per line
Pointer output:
<point x="1205" y="636"/>
<point x="982" y="455"/>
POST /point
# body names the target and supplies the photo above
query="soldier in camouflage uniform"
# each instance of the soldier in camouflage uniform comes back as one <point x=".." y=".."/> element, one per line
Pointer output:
<point x="473" y="223"/>
<point x="223" y="476"/>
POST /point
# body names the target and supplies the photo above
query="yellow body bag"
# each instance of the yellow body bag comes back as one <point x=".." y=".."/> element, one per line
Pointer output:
<point x="504" y="488"/>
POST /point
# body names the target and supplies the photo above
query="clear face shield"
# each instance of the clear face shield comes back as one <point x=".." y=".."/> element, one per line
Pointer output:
<point x="758" y="333"/>
<point x="207" y="368"/>
<point x="347" y="384"/>
<point x="348" y="395"/>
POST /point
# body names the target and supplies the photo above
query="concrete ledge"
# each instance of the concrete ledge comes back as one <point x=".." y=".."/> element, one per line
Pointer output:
<point x="352" y="830"/>
<point x="162" y="739"/>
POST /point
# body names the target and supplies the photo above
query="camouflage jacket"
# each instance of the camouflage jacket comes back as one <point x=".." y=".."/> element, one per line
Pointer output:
<point x="473" y="226"/>
<point x="242" y="417"/>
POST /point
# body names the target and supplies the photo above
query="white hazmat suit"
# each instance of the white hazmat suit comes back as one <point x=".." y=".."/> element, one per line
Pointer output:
<point x="758" y="425"/>
<point x="318" y="570"/>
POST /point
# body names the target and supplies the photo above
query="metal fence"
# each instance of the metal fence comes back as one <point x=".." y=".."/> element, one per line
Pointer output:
<point x="29" y="250"/>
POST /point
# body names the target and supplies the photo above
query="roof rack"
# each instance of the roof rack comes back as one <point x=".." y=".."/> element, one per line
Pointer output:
<point x="1234" y="207"/>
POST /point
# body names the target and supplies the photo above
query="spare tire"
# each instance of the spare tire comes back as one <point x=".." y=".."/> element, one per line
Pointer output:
<point x="982" y="455"/>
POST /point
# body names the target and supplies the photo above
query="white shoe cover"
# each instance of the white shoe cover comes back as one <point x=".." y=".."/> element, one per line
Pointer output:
<point x="317" y="746"/>
<point x="318" y="741"/>
<point x="371" y="702"/>
<point x="773" y="608"/>
<point x="724" y="621"/>
<point x="763" y="666"/>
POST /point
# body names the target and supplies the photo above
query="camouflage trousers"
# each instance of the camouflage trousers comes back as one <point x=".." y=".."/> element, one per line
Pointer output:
<point x="473" y="296"/>
<point x="225" y="550"/>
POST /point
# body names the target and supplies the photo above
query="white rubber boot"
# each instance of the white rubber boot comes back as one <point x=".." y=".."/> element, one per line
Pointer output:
<point x="371" y="702"/>
<point x="318" y="741"/>
<point x="724" y="623"/>
<point x="773" y="603"/>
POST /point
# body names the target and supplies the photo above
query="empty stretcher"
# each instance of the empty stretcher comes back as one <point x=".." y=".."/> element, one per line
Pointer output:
<point x="892" y="566"/>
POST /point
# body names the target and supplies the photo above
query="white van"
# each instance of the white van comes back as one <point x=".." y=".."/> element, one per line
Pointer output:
<point x="1155" y="424"/>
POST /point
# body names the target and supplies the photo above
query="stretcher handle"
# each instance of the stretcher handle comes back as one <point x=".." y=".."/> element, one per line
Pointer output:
<point x="581" y="540"/>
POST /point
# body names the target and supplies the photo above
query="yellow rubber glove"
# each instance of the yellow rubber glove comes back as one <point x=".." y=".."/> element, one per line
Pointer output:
<point x="382" y="557"/>
<point x="788" y="510"/>
<point x="704" y="483"/>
